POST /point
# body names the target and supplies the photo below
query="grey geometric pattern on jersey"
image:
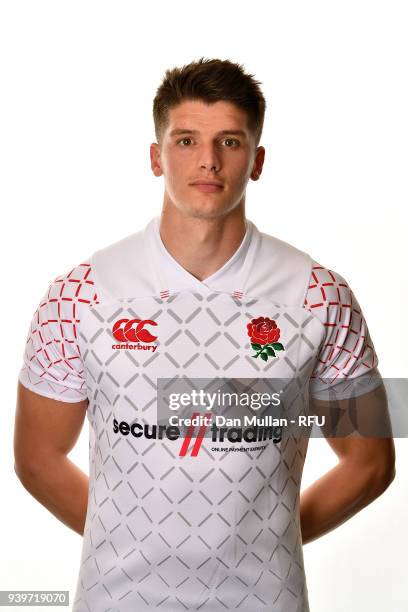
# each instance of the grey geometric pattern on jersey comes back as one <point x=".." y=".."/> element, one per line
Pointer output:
<point x="219" y="531"/>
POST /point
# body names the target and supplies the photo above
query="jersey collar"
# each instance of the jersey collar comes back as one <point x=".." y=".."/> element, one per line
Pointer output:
<point x="172" y="277"/>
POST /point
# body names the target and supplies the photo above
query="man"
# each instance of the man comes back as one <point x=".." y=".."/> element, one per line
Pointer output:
<point x="169" y="521"/>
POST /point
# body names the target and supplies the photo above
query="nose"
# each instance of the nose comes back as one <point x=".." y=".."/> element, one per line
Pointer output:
<point x="209" y="159"/>
<point x="209" y="167"/>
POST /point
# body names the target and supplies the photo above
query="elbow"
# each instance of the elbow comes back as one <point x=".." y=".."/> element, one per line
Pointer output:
<point x="389" y="476"/>
<point x="37" y="467"/>
<point x="28" y="469"/>
<point x="22" y="463"/>
<point x="25" y="472"/>
<point x="381" y="477"/>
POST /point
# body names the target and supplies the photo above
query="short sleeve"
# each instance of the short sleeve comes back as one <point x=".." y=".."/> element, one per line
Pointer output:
<point x="52" y="361"/>
<point x="346" y="363"/>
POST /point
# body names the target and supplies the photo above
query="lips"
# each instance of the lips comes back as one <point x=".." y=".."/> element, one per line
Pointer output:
<point x="207" y="186"/>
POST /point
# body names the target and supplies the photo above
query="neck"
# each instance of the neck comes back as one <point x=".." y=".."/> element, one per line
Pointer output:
<point x="201" y="246"/>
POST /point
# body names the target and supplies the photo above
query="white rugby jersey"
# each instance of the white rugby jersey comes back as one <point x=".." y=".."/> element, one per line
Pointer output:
<point x="172" y="529"/>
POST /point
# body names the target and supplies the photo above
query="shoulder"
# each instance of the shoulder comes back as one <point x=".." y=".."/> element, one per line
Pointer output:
<point x="329" y="295"/>
<point x="61" y="307"/>
<point x="75" y="285"/>
<point x="330" y="298"/>
<point x="346" y="349"/>
<point x="52" y="357"/>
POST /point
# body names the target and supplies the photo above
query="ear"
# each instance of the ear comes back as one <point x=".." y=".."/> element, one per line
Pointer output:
<point x="258" y="163"/>
<point x="155" y="159"/>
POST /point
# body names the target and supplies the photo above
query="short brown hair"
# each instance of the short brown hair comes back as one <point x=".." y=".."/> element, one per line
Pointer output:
<point x="210" y="80"/>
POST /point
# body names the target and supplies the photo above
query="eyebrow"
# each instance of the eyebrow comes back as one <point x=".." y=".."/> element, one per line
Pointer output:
<point x="221" y="133"/>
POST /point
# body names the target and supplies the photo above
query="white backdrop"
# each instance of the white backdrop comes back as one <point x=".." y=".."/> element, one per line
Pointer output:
<point x="78" y="80"/>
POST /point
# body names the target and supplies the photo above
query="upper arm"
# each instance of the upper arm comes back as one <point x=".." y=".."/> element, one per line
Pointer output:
<point x="346" y="386"/>
<point x="44" y="426"/>
<point x="346" y="363"/>
<point x="52" y="395"/>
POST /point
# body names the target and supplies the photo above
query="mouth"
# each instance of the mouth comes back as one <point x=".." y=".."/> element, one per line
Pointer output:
<point x="207" y="186"/>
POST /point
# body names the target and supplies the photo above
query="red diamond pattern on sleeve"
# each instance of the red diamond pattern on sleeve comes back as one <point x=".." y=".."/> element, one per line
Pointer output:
<point x="347" y="351"/>
<point x="53" y="364"/>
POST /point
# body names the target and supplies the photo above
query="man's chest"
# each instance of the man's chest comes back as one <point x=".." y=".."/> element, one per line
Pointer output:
<point x="128" y="344"/>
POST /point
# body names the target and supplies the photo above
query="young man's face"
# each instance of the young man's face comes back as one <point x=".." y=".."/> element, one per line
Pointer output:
<point x="207" y="143"/>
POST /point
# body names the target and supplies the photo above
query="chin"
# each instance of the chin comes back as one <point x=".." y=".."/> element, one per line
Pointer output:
<point x="206" y="209"/>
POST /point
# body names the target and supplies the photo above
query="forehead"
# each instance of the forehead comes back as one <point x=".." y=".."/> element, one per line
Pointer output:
<point x="196" y="114"/>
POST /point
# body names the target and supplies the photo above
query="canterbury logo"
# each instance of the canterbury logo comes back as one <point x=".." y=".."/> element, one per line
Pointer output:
<point x="133" y="330"/>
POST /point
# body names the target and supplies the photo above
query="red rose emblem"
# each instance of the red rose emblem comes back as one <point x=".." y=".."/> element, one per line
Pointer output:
<point x="264" y="334"/>
<point x="263" y="330"/>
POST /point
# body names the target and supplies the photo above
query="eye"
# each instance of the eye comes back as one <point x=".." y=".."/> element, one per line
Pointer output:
<point x="183" y="140"/>
<point x="233" y="140"/>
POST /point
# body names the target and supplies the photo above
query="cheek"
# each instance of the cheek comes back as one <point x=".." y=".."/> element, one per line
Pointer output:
<point x="175" y="166"/>
<point x="240" y="174"/>
<point x="173" y="173"/>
